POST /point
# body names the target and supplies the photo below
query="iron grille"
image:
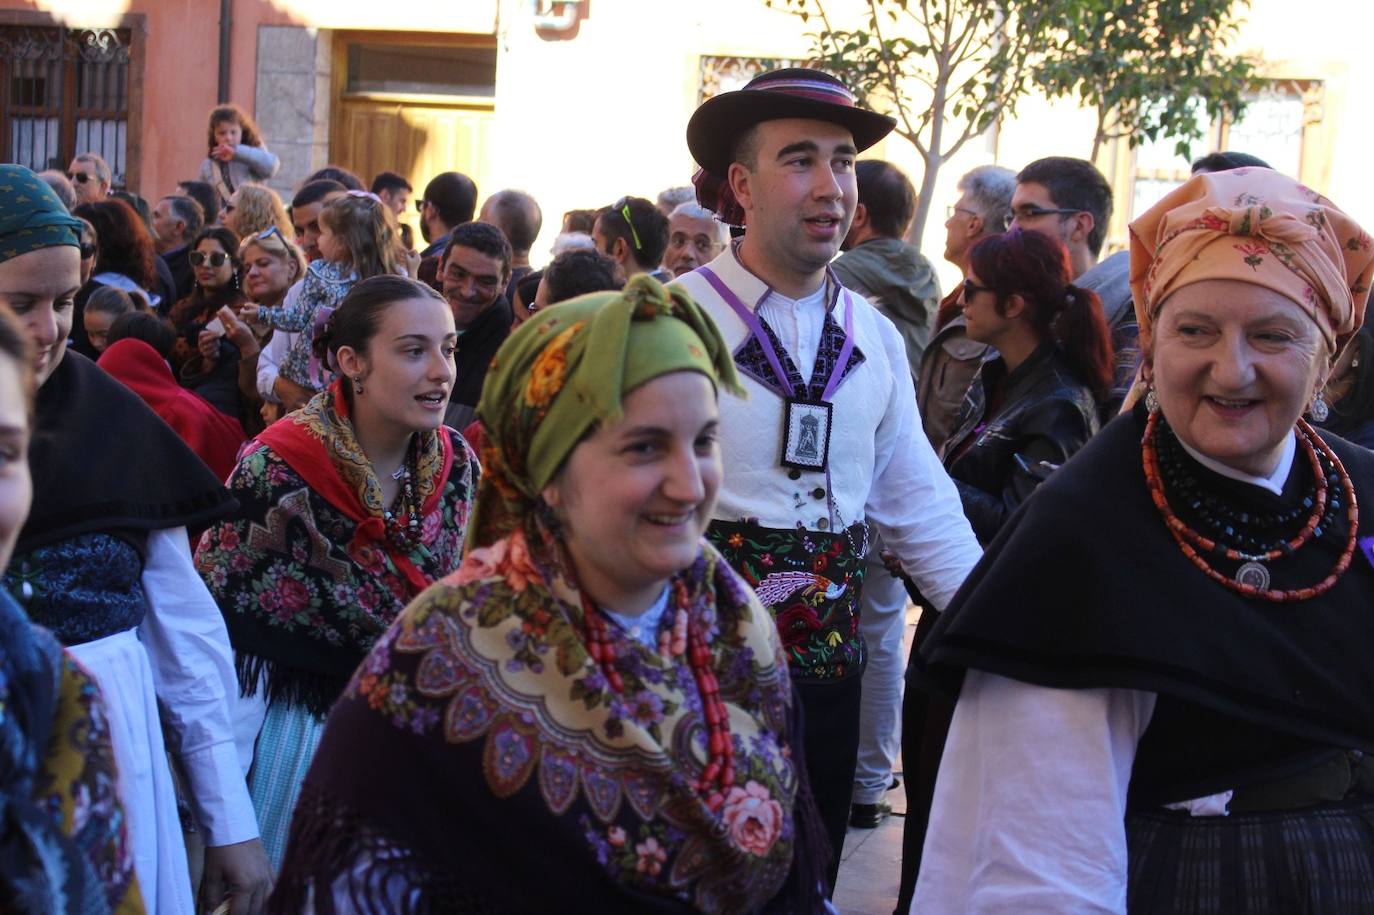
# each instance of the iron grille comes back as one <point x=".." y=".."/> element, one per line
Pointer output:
<point x="64" y="91"/>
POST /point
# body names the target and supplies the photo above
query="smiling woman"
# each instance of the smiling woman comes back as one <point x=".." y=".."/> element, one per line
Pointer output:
<point x="1179" y="624"/>
<point x="348" y="508"/>
<point x="595" y="686"/>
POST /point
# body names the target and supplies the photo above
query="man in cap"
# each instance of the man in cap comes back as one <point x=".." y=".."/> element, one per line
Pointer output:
<point x="828" y="437"/>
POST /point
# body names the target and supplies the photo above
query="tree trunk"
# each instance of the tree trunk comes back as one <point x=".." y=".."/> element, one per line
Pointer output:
<point x="925" y="196"/>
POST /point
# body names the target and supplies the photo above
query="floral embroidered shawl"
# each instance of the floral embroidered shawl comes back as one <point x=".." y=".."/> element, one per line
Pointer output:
<point x="63" y="846"/>
<point x="303" y="571"/>
<point x="516" y="780"/>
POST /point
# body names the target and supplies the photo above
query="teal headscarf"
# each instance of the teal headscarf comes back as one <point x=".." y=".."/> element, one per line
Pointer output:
<point x="31" y="216"/>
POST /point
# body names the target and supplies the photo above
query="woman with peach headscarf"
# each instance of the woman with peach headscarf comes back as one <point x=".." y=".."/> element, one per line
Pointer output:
<point x="1172" y="639"/>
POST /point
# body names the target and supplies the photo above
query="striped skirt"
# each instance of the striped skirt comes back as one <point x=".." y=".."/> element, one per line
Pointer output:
<point x="286" y="745"/>
<point x="1311" y="860"/>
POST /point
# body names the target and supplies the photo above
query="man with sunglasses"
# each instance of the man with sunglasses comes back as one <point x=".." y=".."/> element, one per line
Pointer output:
<point x="91" y="178"/>
<point x="633" y="232"/>
<point x="828" y="438"/>
<point x="1070" y="200"/>
<point x="176" y="221"/>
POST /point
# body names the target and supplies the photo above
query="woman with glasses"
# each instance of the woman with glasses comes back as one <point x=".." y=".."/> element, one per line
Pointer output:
<point x="271" y="265"/>
<point x="204" y="361"/>
<point x="1035" y="404"/>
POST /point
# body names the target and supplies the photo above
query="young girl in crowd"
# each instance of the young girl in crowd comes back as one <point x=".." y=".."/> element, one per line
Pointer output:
<point x="357" y="241"/>
<point x="238" y="155"/>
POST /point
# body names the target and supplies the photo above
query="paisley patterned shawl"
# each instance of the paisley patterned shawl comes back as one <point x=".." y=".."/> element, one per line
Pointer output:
<point x="303" y="571"/>
<point x="523" y="767"/>
<point x="63" y="846"/>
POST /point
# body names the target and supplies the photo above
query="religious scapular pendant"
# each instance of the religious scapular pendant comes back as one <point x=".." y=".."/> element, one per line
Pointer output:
<point x="1254" y="575"/>
<point x="806" y="434"/>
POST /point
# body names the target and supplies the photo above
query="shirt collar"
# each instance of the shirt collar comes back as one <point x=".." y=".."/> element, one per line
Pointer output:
<point x="1273" y="482"/>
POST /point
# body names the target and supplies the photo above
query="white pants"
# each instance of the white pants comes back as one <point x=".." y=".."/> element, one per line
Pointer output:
<point x="882" y="619"/>
<point x="119" y="665"/>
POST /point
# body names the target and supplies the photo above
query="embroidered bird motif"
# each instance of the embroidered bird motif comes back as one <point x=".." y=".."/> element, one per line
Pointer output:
<point x="776" y="587"/>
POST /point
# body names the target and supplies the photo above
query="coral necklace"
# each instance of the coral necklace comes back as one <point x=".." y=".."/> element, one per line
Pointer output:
<point x="1190" y="541"/>
<point x="681" y="637"/>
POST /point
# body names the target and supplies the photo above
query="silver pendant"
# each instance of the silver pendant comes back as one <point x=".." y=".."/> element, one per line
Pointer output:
<point x="1254" y="575"/>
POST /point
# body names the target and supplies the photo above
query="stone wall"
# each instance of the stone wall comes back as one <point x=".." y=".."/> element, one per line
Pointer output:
<point x="292" y="99"/>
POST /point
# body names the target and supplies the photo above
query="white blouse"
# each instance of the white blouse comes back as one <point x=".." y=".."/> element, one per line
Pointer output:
<point x="197" y="689"/>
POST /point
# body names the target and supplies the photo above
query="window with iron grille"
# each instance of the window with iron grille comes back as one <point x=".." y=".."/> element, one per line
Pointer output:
<point x="65" y="91"/>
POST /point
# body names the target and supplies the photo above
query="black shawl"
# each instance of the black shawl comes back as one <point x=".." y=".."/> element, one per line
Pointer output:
<point x="103" y="461"/>
<point x="1085" y="588"/>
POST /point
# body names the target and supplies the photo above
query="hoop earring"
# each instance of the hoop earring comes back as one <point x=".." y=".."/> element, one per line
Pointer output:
<point x="1320" y="411"/>
<point x="358" y="385"/>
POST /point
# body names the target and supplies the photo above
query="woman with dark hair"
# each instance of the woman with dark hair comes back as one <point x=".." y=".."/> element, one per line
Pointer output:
<point x="125" y="258"/>
<point x="208" y="363"/>
<point x="1035" y="404"/>
<point x="347" y="509"/>
<point x="104" y="561"/>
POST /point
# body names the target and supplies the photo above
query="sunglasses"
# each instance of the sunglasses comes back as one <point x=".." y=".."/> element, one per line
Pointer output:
<point x="198" y="258"/>
<point x="623" y="207"/>
<point x="87" y="251"/>
<point x="227" y="208"/>
<point x="79" y="177"/>
<point x="420" y="205"/>
<point x="971" y="289"/>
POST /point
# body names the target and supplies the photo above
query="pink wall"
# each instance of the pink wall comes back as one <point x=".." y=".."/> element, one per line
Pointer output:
<point x="181" y="74"/>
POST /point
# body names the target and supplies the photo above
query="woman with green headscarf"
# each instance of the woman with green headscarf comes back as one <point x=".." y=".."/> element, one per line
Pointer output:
<point x="593" y="713"/>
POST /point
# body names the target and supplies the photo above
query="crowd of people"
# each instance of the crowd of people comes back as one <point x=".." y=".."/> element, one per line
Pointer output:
<point x="350" y="573"/>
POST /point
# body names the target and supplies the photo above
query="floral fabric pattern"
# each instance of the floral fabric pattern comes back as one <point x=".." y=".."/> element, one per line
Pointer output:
<point x="811" y="581"/>
<point x="81" y="589"/>
<point x="298" y="585"/>
<point x="495" y="656"/>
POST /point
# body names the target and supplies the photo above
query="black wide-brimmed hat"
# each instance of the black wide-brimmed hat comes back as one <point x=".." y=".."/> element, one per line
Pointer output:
<point x="795" y="92"/>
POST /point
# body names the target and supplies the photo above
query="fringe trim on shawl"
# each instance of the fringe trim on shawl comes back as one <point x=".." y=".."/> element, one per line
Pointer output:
<point x="326" y="845"/>
<point x="317" y="693"/>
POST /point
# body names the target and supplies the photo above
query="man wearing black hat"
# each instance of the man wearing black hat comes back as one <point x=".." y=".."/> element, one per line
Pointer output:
<point x="828" y="437"/>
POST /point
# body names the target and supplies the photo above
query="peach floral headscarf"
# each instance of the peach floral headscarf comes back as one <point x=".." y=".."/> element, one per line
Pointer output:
<point x="1258" y="226"/>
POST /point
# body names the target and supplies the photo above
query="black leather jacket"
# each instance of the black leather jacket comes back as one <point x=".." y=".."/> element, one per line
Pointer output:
<point x="1044" y="415"/>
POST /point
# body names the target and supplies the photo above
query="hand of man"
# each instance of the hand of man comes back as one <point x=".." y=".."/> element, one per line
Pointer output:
<point x="238" y="872"/>
<point x="222" y="153"/>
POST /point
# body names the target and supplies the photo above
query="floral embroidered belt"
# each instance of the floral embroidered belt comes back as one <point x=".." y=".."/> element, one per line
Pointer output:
<point x="811" y="581"/>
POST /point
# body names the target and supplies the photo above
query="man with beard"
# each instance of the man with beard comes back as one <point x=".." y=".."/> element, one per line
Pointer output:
<point x="828" y="437"/>
<point x="475" y="269"/>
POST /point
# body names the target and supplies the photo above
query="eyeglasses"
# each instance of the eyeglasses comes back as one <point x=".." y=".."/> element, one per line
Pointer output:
<point x="87" y="251"/>
<point x="622" y="206"/>
<point x="1031" y="211"/>
<point x="198" y="258"/>
<point x="971" y="289"/>
<point x="78" y="177"/>
<point x="955" y="208"/>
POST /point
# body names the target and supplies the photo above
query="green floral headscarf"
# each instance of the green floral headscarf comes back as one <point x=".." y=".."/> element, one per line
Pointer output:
<point x="31" y="216"/>
<point x="568" y="368"/>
